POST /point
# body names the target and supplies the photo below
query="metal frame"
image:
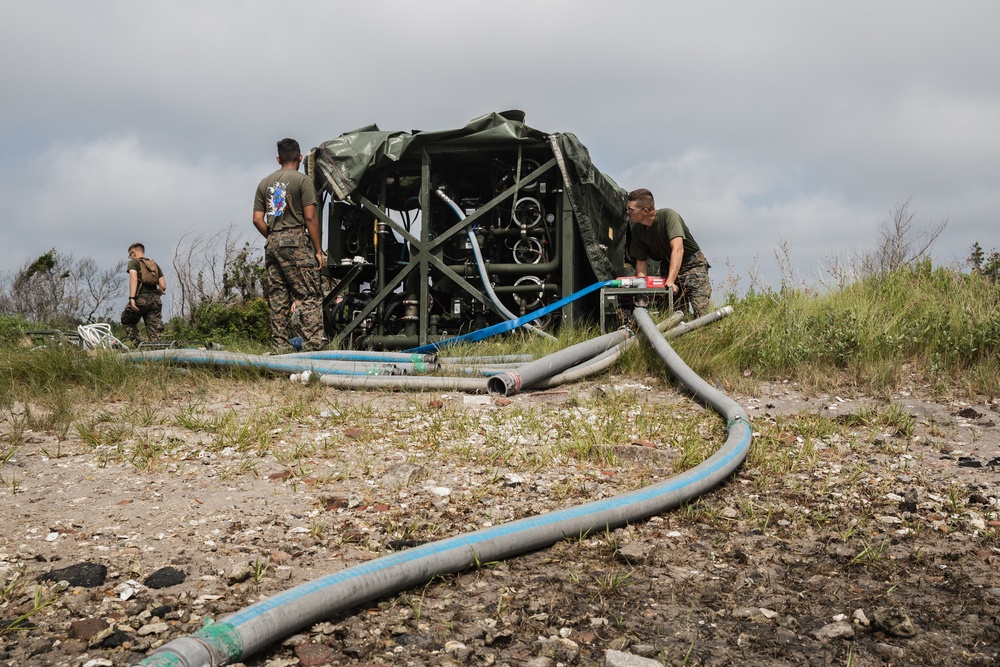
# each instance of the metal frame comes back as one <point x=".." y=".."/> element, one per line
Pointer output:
<point x="423" y="258"/>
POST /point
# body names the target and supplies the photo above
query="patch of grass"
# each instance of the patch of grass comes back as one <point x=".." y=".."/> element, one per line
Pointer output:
<point x="614" y="579"/>
<point x="872" y="552"/>
<point x="14" y="588"/>
<point x="919" y="323"/>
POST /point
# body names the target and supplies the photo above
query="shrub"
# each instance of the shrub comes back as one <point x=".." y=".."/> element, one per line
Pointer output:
<point x="12" y="329"/>
<point x="241" y="321"/>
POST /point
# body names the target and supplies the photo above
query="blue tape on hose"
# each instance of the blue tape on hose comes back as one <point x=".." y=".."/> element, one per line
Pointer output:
<point x="510" y="325"/>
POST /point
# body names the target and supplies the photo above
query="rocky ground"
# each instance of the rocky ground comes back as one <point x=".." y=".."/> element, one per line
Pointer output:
<point x="871" y="544"/>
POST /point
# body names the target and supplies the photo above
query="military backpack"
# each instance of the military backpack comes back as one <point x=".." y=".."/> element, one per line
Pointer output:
<point x="149" y="272"/>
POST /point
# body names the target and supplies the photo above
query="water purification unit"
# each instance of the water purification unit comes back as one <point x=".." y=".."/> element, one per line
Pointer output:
<point x="430" y="235"/>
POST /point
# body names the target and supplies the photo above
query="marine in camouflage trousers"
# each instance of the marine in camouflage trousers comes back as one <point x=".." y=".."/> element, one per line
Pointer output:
<point x="148" y="308"/>
<point x="293" y="278"/>
<point x="694" y="286"/>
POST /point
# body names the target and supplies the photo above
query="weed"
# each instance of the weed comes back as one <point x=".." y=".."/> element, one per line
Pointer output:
<point x="687" y="654"/>
<point x="7" y="453"/>
<point x="13" y="483"/>
<point x="40" y="600"/>
<point x="17" y="434"/>
<point x="955" y="499"/>
<point x="56" y="454"/>
<point x="192" y="417"/>
<point x="416" y="604"/>
<point x="478" y="564"/>
<point x="502" y="604"/>
<point x="614" y="579"/>
<point x="260" y="568"/>
<point x="871" y="553"/>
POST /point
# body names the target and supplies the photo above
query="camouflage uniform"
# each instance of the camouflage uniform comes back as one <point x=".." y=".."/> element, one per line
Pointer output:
<point x="289" y="257"/>
<point x="694" y="286"/>
<point x="292" y="277"/>
<point x="148" y="308"/>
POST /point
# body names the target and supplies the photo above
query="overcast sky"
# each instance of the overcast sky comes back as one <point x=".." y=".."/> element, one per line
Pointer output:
<point x="762" y="123"/>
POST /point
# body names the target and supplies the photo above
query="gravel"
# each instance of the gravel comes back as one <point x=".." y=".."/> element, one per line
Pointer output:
<point x="880" y="549"/>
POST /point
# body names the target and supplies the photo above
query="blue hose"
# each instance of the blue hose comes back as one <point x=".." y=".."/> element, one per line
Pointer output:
<point x="282" y="363"/>
<point x="510" y="325"/>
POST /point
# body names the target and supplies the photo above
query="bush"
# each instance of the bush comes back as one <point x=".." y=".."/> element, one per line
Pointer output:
<point x="12" y="329"/>
<point x="242" y="321"/>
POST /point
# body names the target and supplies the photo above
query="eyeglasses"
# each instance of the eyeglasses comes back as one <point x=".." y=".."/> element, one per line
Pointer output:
<point x="629" y="210"/>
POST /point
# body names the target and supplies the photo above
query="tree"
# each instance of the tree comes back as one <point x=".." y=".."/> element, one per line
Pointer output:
<point x="60" y="290"/>
<point x="38" y="288"/>
<point x="95" y="291"/>
<point x="900" y="242"/>
<point x="983" y="264"/>
<point x="215" y="269"/>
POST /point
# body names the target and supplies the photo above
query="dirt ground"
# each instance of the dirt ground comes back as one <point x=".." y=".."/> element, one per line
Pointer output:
<point x="881" y="549"/>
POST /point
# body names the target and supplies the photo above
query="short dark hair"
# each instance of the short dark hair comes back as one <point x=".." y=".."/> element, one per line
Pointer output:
<point x="288" y="150"/>
<point x="642" y="197"/>
<point x="139" y="246"/>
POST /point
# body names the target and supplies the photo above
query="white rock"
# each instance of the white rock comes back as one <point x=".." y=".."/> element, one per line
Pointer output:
<point x="152" y="629"/>
<point x="614" y="658"/>
<point x="513" y="479"/>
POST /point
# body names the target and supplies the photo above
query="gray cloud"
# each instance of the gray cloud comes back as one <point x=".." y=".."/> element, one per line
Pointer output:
<point x="759" y="122"/>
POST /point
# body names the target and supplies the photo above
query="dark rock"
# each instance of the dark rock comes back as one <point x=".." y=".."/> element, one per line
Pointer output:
<point x="164" y="578"/>
<point x="160" y="612"/>
<point x="907" y="506"/>
<point x="969" y="413"/>
<point x="72" y="647"/>
<point x="86" y="628"/>
<point x="315" y="655"/>
<point x="894" y="622"/>
<point x="115" y="639"/>
<point x="85" y="575"/>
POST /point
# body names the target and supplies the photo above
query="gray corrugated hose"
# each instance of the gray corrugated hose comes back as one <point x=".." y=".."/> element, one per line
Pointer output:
<point x="247" y="631"/>
<point x="511" y="382"/>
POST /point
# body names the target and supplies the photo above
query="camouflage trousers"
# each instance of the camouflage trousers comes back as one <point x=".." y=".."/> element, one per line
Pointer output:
<point x="293" y="279"/>
<point x="694" y="286"/>
<point x="148" y="308"/>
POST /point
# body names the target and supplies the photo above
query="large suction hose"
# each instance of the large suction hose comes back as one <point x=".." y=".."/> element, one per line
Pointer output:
<point x="241" y="634"/>
<point x="512" y="382"/>
<point x="469" y="385"/>
<point x="602" y="361"/>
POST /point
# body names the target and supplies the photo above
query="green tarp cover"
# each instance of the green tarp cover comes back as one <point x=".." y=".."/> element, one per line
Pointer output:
<point x="340" y="165"/>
